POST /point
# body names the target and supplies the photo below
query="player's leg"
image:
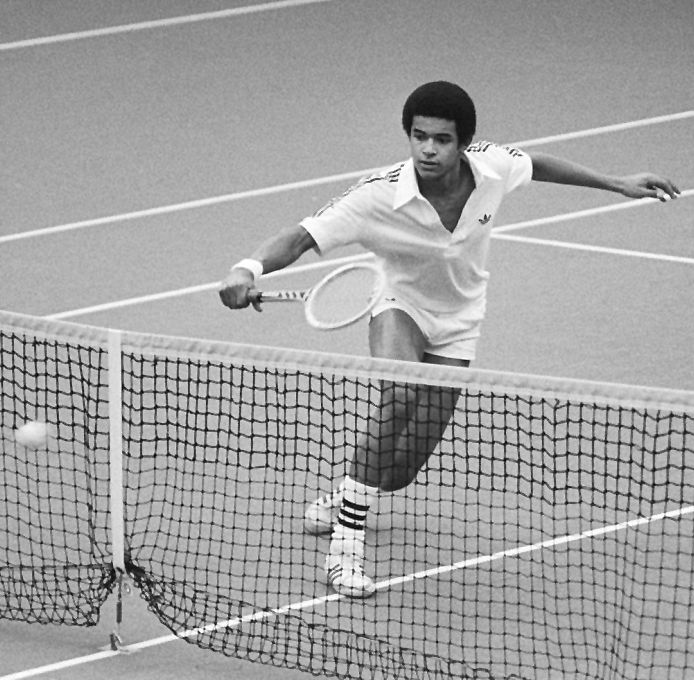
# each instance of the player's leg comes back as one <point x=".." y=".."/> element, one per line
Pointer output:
<point x="402" y="434"/>
<point x="409" y="422"/>
<point x="407" y="425"/>
<point x="430" y="412"/>
<point x="394" y="335"/>
<point x="405" y="428"/>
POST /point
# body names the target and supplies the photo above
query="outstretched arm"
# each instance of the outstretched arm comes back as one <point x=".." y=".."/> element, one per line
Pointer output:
<point x="238" y="288"/>
<point x="548" y="168"/>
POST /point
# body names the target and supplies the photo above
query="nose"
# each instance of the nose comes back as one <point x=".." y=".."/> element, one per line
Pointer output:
<point x="428" y="147"/>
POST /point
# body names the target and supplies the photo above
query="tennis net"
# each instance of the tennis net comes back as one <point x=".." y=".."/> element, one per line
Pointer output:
<point x="550" y="535"/>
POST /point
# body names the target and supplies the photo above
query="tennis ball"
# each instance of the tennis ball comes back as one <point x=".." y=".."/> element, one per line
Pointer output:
<point x="33" y="435"/>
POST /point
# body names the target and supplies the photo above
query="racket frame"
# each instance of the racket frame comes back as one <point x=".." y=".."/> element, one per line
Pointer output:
<point x="308" y="295"/>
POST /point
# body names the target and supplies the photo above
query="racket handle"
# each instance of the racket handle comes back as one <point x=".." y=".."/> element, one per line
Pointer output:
<point x="280" y="296"/>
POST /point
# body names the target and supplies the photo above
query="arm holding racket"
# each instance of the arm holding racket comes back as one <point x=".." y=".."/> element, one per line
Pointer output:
<point x="547" y="168"/>
<point x="238" y="289"/>
<point x="342" y="297"/>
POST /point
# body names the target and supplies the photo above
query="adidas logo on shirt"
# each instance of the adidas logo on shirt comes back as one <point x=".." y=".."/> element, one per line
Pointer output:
<point x="485" y="219"/>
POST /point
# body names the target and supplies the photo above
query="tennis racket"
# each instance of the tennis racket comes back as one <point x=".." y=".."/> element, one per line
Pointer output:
<point x="339" y="299"/>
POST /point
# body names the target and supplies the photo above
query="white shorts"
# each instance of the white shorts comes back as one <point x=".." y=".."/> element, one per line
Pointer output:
<point x="446" y="335"/>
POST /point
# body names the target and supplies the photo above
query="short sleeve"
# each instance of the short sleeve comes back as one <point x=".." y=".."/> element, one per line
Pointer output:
<point x="341" y="221"/>
<point x="520" y="168"/>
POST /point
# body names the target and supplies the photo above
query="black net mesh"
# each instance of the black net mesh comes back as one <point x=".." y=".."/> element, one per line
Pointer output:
<point x="54" y="544"/>
<point x="547" y="536"/>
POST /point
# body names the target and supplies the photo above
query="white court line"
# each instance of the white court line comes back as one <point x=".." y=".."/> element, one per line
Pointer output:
<point x="552" y="543"/>
<point x="188" y="205"/>
<point x="300" y="269"/>
<point x="595" y="249"/>
<point x="617" y="127"/>
<point x="305" y="184"/>
<point x="155" y="23"/>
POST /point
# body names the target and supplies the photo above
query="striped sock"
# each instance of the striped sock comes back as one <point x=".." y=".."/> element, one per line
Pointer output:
<point x="356" y="500"/>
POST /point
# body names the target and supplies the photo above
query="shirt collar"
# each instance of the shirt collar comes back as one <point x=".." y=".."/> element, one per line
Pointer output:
<point x="407" y="188"/>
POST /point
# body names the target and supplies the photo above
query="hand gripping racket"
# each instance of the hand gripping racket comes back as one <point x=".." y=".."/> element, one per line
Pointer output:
<point x="339" y="299"/>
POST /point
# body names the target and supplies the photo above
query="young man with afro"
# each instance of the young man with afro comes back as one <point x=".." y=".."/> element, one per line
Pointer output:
<point x="428" y="221"/>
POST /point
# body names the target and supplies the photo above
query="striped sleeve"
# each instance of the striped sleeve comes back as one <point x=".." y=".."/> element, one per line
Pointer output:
<point x="511" y="164"/>
<point x="519" y="168"/>
<point x="343" y="219"/>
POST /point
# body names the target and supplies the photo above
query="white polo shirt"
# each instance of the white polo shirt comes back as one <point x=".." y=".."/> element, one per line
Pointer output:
<point x="425" y="265"/>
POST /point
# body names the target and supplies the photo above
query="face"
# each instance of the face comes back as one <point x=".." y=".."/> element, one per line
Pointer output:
<point x="434" y="147"/>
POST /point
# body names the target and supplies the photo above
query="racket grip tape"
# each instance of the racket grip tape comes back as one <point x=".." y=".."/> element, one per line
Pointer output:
<point x="280" y="296"/>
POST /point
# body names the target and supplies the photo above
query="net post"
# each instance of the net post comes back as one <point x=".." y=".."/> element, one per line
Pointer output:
<point x="116" y="506"/>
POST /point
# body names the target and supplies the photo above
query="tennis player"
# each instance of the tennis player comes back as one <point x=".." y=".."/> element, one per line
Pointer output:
<point x="428" y="221"/>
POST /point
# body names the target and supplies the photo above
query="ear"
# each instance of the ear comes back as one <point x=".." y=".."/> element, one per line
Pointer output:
<point x="464" y="144"/>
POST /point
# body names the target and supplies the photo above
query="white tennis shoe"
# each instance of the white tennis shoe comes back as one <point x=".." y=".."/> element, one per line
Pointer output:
<point x="320" y="516"/>
<point x="344" y="566"/>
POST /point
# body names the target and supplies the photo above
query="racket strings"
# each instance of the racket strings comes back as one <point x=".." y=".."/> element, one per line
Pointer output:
<point x="344" y="297"/>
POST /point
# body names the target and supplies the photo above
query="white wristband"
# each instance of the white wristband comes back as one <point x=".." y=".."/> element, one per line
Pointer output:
<point x="253" y="266"/>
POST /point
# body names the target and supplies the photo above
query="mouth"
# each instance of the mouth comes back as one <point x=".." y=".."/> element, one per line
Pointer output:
<point x="428" y="165"/>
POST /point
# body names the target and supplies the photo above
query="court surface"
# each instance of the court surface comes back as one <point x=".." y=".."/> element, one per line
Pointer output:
<point x="140" y="162"/>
